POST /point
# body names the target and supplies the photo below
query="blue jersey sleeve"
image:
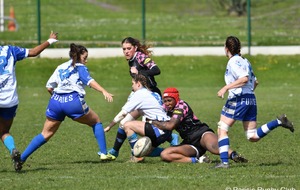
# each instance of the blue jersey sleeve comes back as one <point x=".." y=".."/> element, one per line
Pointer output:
<point x="19" y="53"/>
<point x="84" y="74"/>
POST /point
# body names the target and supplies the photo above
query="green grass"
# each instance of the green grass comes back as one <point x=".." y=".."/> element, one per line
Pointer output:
<point x="69" y="159"/>
<point x="168" y="22"/>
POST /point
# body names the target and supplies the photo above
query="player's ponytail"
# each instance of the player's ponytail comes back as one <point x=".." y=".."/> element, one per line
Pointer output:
<point x="75" y="52"/>
<point x="234" y="45"/>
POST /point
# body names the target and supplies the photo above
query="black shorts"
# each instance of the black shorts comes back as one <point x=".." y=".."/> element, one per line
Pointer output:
<point x="153" y="133"/>
<point x="195" y="137"/>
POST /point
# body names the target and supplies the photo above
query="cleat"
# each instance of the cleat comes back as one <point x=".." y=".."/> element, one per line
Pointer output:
<point x="238" y="158"/>
<point x="204" y="159"/>
<point x="113" y="152"/>
<point x="136" y="159"/>
<point x="16" y="158"/>
<point x="222" y="165"/>
<point x="106" y="157"/>
<point x="175" y="140"/>
<point x="285" y="123"/>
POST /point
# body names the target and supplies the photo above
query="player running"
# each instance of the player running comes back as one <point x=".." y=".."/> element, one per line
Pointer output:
<point x="241" y="103"/>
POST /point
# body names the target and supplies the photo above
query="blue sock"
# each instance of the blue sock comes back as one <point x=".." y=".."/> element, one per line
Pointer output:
<point x="132" y="139"/>
<point x="100" y="137"/>
<point x="223" y="149"/>
<point x="266" y="128"/>
<point x="156" y="152"/>
<point x="35" y="143"/>
<point x="9" y="143"/>
<point x="194" y="160"/>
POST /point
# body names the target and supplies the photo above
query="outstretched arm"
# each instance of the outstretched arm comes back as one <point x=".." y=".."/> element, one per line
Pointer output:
<point x="95" y="85"/>
<point x="38" y="49"/>
<point x="120" y="116"/>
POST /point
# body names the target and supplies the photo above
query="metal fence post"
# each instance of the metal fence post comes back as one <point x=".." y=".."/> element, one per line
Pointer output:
<point x="39" y="21"/>
<point x="249" y="25"/>
<point x="143" y="20"/>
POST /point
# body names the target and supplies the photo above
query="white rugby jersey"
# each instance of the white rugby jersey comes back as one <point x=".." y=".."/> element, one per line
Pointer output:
<point x="67" y="79"/>
<point x="147" y="103"/>
<point x="238" y="67"/>
<point x="9" y="55"/>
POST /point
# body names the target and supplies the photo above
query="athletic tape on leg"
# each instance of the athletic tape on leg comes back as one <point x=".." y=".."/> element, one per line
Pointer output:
<point x="223" y="126"/>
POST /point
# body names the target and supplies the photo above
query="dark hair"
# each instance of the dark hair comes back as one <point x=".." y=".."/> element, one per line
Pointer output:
<point x="140" y="47"/>
<point x="142" y="79"/>
<point x="234" y="45"/>
<point x="75" y="52"/>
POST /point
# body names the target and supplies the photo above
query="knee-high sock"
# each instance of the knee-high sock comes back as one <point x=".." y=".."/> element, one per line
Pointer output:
<point x="223" y="148"/>
<point x="9" y="143"/>
<point x="132" y="139"/>
<point x="35" y="143"/>
<point x="100" y="137"/>
<point x="120" y="138"/>
<point x="266" y="128"/>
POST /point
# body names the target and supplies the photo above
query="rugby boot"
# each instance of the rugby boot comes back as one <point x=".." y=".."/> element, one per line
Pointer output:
<point x="16" y="158"/>
<point x="106" y="157"/>
<point x="285" y="123"/>
<point x="238" y="158"/>
<point x="113" y="152"/>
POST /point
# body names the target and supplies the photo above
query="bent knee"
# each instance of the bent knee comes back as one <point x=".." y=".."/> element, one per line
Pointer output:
<point x="165" y="156"/>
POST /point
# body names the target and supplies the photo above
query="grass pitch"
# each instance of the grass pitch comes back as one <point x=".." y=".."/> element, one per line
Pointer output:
<point x="69" y="160"/>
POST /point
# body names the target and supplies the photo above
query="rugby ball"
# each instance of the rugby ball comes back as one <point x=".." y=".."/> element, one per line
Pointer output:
<point x="142" y="147"/>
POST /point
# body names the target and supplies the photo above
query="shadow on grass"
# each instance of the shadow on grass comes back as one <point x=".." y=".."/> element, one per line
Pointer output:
<point x="272" y="164"/>
<point x="148" y="160"/>
<point x="26" y="170"/>
<point x="90" y="162"/>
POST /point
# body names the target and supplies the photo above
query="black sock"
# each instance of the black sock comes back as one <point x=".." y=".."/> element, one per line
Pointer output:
<point x="120" y="138"/>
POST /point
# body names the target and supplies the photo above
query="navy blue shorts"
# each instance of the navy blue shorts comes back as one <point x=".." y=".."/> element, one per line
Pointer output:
<point x="71" y="105"/>
<point x="242" y="108"/>
<point x="8" y="113"/>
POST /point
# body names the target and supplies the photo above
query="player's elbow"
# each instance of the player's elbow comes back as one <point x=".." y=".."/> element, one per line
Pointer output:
<point x="244" y="80"/>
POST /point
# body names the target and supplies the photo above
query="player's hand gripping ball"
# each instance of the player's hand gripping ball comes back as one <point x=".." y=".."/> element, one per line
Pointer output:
<point x="142" y="147"/>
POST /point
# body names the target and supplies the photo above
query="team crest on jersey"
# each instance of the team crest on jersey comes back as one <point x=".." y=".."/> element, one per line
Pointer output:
<point x="147" y="60"/>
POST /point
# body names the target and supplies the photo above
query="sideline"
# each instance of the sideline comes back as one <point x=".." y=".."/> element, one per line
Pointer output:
<point x="176" y="51"/>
